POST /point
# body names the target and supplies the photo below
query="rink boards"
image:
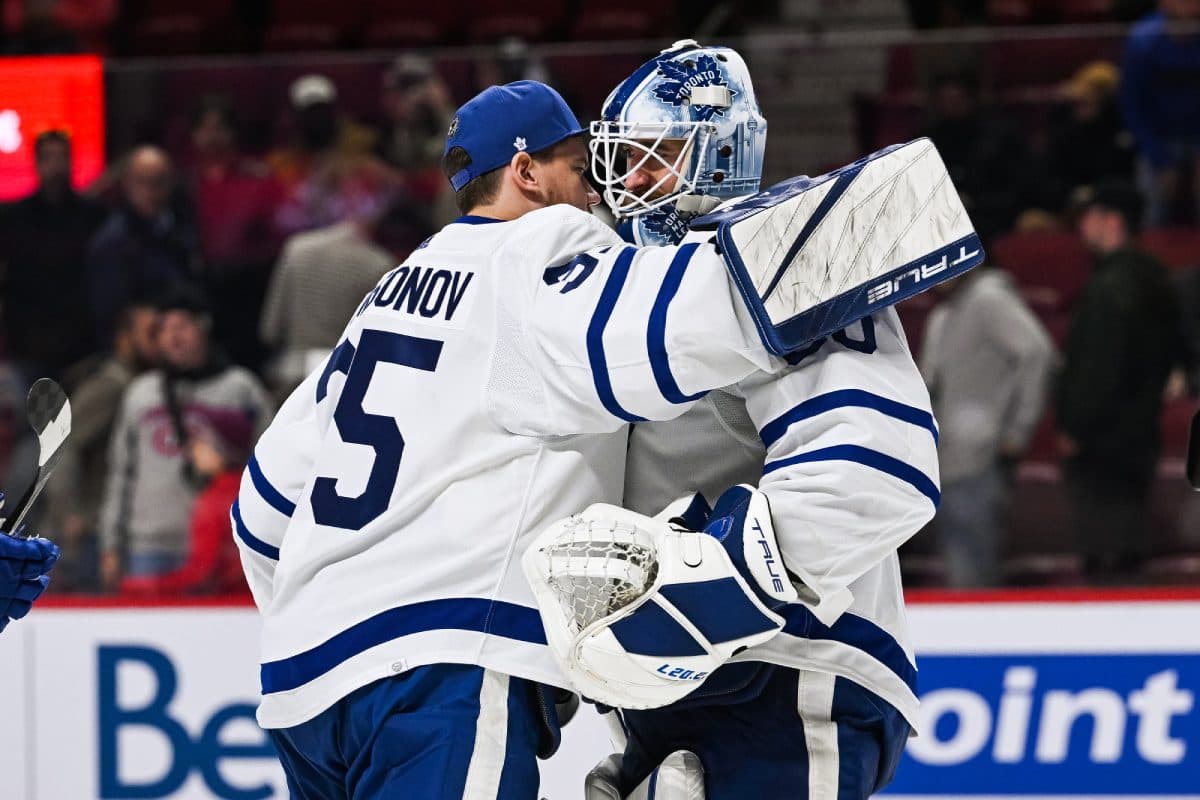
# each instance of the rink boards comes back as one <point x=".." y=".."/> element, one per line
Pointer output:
<point x="1087" y="695"/>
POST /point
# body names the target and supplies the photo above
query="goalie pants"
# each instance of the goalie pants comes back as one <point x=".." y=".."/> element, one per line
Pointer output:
<point x="801" y="736"/>
<point x="440" y="732"/>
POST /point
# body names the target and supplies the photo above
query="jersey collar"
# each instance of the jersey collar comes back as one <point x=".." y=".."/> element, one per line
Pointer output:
<point x="472" y="219"/>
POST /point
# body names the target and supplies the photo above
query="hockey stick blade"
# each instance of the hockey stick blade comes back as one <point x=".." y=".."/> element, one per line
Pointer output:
<point x="49" y="413"/>
<point x="1193" y="453"/>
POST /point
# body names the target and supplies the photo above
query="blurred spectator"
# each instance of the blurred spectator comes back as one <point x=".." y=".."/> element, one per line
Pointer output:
<point x="986" y="157"/>
<point x="145" y="246"/>
<point x="44" y="241"/>
<point x="322" y="278"/>
<point x="235" y="203"/>
<point x="987" y="361"/>
<point x="1088" y="140"/>
<point x="73" y="497"/>
<point x="328" y="173"/>
<point x="510" y="61"/>
<point x="1160" y="95"/>
<point x="1121" y="346"/>
<point x="417" y="111"/>
<point x="179" y="427"/>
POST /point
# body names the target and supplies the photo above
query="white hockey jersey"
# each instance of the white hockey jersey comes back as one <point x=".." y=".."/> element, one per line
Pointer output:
<point x="382" y="518"/>
<point x="849" y="447"/>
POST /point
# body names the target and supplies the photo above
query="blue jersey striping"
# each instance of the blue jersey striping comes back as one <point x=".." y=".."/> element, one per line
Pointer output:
<point x="273" y="496"/>
<point x="854" y="631"/>
<point x="452" y="613"/>
<point x="252" y="541"/>
<point x="844" y="398"/>
<point x="656" y="331"/>
<point x="595" y="336"/>
<point x="869" y="458"/>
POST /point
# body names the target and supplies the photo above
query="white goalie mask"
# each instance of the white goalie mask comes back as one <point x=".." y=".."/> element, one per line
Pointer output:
<point x="700" y="97"/>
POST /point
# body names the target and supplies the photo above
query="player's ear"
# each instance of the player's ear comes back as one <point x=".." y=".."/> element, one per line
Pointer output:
<point x="524" y="173"/>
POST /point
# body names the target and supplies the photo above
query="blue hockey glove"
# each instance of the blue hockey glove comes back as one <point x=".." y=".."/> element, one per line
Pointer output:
<point x="25" y="566"/>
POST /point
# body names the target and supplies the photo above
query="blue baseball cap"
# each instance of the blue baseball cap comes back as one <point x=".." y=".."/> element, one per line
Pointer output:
<point x="502" y="121"/>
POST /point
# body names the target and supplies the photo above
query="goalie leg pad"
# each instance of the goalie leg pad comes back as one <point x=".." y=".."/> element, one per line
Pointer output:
<point x="679" y="777"/>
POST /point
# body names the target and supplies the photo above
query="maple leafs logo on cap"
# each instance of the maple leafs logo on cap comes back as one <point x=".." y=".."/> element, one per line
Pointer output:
<point x="679" y="79"/>
<point x="453" y="128"/>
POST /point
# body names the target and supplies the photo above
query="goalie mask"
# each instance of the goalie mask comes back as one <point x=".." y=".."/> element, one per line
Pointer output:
<point x="690" y="115"/>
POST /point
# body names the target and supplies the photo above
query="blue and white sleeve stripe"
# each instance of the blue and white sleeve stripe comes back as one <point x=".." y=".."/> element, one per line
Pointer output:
<point x="866" y="457"/>
<point x="656" y="331"/>
<point x="261" y="513"/>
<point x="844" y="398"/>
<point x="597" y="358"/>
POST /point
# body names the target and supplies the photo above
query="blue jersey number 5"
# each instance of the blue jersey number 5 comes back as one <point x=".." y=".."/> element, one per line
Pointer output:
<point x="356" y="426"/>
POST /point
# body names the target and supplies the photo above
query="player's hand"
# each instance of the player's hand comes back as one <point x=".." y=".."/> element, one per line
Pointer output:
<point x="25" y="566"/>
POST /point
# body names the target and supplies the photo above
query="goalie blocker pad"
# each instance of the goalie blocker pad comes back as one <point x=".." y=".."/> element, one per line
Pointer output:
<point x="811" y="256"/>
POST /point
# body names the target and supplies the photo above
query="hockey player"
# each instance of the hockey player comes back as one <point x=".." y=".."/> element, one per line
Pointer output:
<point x="25" y="566"/>
<point x="381" y="515"/>
<point x="846" y="459"/>
<point x="472" y="400"/>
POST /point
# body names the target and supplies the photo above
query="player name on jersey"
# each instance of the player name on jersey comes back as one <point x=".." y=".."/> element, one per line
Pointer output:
<point x="429" y="292"/>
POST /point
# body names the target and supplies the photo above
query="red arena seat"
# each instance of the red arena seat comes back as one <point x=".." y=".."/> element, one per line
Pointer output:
<point x="311" y="24"/>
<point x="398" y="23"/>
<point x="171" y="27"/>
<point x="533" y="20"/>
<point x="620" y="19"/>
<point x="1175" y="247"/>
<point x="1048" y="259"/>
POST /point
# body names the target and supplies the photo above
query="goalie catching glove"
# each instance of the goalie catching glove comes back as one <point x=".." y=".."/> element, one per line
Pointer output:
<point x="640" y="610"/>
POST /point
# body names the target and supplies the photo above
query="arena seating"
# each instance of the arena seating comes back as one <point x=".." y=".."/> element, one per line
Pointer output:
<point x="311" y="24"/>
<point x="1055" y="262"/>
<point x="532" y="20"/>
<point x="170" y="27"/>
<point x="620" y="19"/>
<point x="1176" y="247"/>
<point x="398" y="23"/>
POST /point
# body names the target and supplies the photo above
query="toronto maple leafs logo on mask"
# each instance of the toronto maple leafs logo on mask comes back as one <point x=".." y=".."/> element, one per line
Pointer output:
<point x="665" y="225"/>
<point x="680" y="78"/>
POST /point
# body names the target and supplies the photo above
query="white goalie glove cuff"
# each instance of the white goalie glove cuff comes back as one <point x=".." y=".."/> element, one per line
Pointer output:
<point x="639" y="612"/>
